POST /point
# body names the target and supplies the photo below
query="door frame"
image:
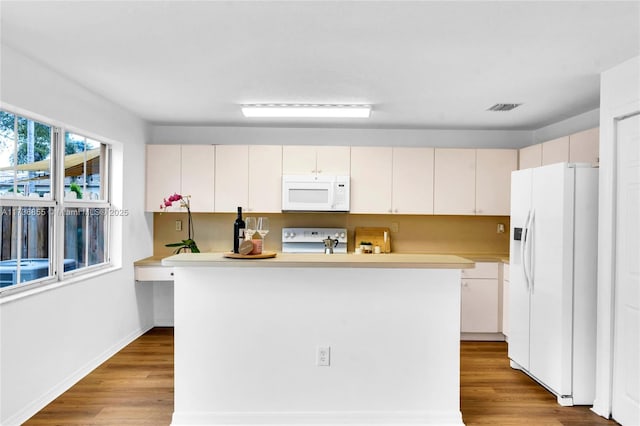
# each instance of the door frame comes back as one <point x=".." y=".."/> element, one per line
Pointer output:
<point x="607" y="212"/>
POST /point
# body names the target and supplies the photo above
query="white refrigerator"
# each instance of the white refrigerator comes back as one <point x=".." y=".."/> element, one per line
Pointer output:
<point x="552" y="293"/>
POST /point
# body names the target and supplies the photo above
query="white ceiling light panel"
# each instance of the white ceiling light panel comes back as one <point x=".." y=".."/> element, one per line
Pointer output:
<point x="306" y="111"/>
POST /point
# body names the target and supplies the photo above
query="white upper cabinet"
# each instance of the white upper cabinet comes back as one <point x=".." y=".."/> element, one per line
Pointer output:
<point x="305" y="160"/>
<point x="371" y="179"/>
<point x="493" y="181"/>
<point x="298" y="160"/>
<point x="581" y="147"/>
<point x="265" y="179"/>
<point x="162" y="174"/>
<point x="402" y="180"/>
<point x="232" y="178"/>
<point x="530" y="156"/>
<point x="333" y="160"/>
<point x="182" y="169"/>
<point x="555" y="151"/>
<point x="454" y="181"/>
<point x="412" y="191"/>
<point x="198" y="174"/>
<point x="584" y="146"/>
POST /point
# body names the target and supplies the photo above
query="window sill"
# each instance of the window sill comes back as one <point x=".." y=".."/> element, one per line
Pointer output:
<point x="57" y="284"/>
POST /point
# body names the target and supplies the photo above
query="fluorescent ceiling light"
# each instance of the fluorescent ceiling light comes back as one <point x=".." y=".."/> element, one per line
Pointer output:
<point x="306" y="111"/>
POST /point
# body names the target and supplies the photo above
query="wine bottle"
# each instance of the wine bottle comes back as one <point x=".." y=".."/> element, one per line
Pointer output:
<point x="238" y="231"/>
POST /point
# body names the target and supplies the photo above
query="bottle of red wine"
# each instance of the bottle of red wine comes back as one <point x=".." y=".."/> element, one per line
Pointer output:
<point x="238" y="231"/>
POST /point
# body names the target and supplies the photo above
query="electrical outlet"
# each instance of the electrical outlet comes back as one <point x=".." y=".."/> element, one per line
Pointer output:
<point x="178" y="225"/>
<point x="323" y="356"/>
<point x="395" y="227"/>
<point x="500" y="229"/>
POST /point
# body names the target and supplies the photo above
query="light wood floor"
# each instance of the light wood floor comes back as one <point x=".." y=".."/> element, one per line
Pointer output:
<point x="135" y="387"/>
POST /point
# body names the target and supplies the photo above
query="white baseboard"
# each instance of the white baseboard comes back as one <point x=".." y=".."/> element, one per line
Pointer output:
<point x="43" y="400"/>
<point x="322" y="418"/>
<point x="483" y="337"/>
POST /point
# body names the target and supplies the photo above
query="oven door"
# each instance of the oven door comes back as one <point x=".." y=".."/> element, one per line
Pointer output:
<point x="307" y="247"/>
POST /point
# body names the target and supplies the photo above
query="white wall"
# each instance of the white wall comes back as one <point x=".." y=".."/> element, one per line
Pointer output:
<point x="619" y="96"/>
<point x="580" y="122"/>
<point x="168" y="134"/>
<point x="52" y="338"/>
<point x="165" y="134"/>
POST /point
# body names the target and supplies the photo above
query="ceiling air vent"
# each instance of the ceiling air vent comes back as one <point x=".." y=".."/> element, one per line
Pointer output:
<point x="503" y="107"/>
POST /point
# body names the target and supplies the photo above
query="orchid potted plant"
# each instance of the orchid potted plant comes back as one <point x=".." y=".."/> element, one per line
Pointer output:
<point x="189" y="243"/>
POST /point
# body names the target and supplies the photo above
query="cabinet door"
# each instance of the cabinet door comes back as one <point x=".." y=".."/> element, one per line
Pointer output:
<point x="304" y="160"/>
<point x="298" y="160"/>
<point x="530" y="157"/>
<point x="198" y="176"/>
<point x="479" y="306"/>
<point x="455" y="181"/>
<point x="371" y="179"/>
<point x="412" y="190"/>
<point x="265" y="179"/>
<point x="232" y="177"/>
<point x="555" y="151"/>
<point x="162" y="174"/>
<point x="493" y="180"/>
<point x="584" y="146"/>
<point x="333" y="160"/>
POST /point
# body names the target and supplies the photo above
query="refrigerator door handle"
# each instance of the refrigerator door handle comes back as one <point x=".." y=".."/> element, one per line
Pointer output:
<point x="530" y="243"/>
<point x="523" y="257"/>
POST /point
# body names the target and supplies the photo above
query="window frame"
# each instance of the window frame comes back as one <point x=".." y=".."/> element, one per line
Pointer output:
<point x="58" y="206"/>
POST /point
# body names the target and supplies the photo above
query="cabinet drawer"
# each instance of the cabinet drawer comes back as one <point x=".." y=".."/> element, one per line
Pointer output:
<point x="482" y="270"/>
<point x="153" y="273"/>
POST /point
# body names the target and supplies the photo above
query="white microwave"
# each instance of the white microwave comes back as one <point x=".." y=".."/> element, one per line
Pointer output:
<point x="315" y="193"/>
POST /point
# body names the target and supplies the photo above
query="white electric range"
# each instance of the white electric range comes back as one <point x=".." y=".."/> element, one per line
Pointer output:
<point x="310" y="240"/>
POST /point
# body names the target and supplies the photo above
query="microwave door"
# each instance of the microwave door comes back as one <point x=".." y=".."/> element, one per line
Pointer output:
<point x="306" y="197"/>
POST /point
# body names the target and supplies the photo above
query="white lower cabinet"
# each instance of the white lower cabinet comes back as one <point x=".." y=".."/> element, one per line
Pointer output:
<point x="161" y="278"/>
<point x="480" y="307"/>
<point x="153" y="273"/>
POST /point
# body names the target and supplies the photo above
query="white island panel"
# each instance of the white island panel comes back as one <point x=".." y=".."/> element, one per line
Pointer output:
<point x="246" y="339"/>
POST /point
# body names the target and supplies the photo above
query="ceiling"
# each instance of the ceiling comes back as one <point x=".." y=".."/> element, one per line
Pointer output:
<point x="421" y="64"/>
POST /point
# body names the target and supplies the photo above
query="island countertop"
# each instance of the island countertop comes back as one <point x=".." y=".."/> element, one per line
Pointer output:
<point x="299" y="260"/>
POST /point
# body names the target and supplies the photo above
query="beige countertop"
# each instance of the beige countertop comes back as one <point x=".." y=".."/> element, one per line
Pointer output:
<point x="150" y="261"/>
<point x="475" y="257"/>
<point x="299" y="260"/>
<point x="486" y="257"/>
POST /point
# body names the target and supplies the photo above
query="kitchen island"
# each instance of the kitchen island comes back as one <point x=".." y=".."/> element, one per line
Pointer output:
<point x="251" y="337"/>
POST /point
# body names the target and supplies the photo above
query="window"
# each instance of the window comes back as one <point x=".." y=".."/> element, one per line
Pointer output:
<point x="55" y="207"/>
<point x="86" y="206"/>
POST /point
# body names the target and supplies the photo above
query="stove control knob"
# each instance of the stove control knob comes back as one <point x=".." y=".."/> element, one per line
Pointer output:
<point x="337" y="235"/>
<point x="342" y="235"/>
<point x="293" y="234"/>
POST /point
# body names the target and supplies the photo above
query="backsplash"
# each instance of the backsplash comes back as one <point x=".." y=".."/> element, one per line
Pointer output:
<point x="416" y="233"/>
